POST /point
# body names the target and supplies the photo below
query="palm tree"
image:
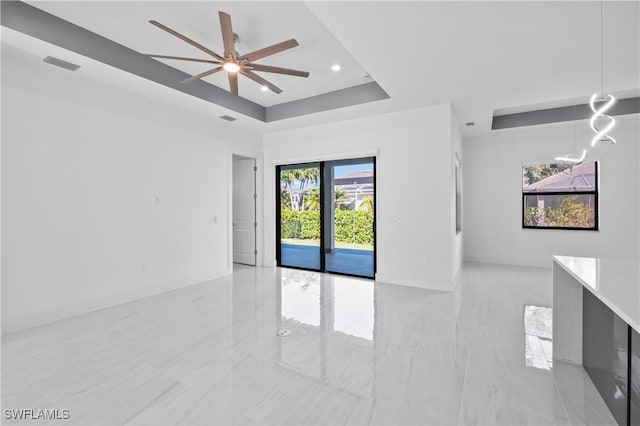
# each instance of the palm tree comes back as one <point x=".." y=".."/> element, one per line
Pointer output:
<point x="341" y="201"/>
<point x="366" y="204"/>
<point x="312" y="200"/>
<point x="285" y="200"/>
<point x="306" y="177"/>
<point x="298" y="179"/>
<point x="287" y="180"/>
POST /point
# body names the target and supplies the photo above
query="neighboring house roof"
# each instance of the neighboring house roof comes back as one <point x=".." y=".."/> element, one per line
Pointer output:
<point x="578" y="178"/>
<point x="363" y="176"/>
<point x="353" y="178"/>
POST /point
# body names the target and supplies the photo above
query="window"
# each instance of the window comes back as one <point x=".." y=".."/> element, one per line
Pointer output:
<point x="560" y="196"/>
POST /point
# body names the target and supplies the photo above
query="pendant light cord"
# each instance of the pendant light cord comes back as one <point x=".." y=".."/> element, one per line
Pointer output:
<point x="575" y="125"/>
<point x="601" y="46"/>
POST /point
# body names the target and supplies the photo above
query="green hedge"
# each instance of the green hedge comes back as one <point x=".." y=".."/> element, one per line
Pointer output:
<point x="351" y="226"/>
<point x="289" y="224"/>
<point x="354" y="226"/>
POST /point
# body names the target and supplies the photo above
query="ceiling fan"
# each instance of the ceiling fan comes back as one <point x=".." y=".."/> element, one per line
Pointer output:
<point x="232" y="62"/>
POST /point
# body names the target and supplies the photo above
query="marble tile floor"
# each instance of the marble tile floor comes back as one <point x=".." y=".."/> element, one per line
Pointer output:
<point x="360" y="352"/>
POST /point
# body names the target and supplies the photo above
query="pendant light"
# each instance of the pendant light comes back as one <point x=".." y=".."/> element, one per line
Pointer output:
<point x="606" y="101"/>
<point x="573" y="160"/>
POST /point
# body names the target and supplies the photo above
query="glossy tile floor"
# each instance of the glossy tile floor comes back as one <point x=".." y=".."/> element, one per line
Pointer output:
<point x="360" y="353"/>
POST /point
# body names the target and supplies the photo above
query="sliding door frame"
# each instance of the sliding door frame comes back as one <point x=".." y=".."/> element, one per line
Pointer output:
<point x="279" y="168"/>
<point x="375" y="217"/>
<point x="320" y="164"/>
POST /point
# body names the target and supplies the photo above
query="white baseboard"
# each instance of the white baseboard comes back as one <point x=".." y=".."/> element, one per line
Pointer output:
<point x="415" y="282"/>
<point x="456" y="279"/>
<point x="11" y="325"/>
<point x="501" y="261"/>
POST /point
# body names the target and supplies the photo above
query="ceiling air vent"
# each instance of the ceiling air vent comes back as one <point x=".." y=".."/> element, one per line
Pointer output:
<point x="228" y="118"/>
<point x="60" y="63"/>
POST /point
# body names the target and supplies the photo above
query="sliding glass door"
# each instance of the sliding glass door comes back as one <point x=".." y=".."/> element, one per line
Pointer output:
<point x="299" y="219"/>
<point x="349" y="217"/>
<point x="326" y="216"/>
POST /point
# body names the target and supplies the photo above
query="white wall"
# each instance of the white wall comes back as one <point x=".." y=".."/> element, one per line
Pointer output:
<point x="493" y="195"/>
<point x="414" y="184"/>
<point x="96" y="182"/>
<point x="457" y="249"/>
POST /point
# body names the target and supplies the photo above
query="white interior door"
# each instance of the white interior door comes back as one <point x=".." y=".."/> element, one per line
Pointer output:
<point x="244" y="211"/>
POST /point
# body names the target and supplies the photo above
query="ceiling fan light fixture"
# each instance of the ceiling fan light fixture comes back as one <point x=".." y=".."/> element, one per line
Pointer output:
<point x="231" y="67"/>
<point x="231" y="61"/>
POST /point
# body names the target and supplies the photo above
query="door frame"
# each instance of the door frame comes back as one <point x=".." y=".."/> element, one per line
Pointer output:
<point x="259" y="230"/>
<point x="320" y="163"/>
<point x="246" y="173"/>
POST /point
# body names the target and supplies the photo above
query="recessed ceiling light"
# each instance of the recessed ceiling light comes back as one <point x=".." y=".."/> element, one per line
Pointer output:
<point x="366" y="76"/>
<point x="470" y="123"/>
<point x="228" y="118"/>
<point x="335" y="67"/>
<point x="264" y="88"/>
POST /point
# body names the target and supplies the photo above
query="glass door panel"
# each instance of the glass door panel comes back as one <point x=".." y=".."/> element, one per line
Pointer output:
<point x="349" y="216"/>
<point x="299" y="216"/>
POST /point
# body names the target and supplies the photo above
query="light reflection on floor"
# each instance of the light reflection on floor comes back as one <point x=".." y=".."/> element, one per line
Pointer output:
<point x="351" y="310"/>
<point x="538" y="337"/>
<point x="301" y="296"/>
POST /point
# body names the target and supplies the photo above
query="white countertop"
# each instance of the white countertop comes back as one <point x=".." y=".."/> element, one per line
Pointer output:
<point x="615" y="282"/>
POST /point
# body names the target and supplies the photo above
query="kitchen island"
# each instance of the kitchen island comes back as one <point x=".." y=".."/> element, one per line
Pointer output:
<point x="596" y="324"/>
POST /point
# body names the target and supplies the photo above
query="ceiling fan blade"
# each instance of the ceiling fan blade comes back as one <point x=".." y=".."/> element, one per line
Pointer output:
<point x="255" y="77"/>
<point x="277" y="70"/>
<point x="270" y="50"/>
<point x="204" y="74"/>
<point x="187" y="39"/>
<point x="233" y="83"/>
<point x="180" y="58"/>
<point x="227" y="35"/>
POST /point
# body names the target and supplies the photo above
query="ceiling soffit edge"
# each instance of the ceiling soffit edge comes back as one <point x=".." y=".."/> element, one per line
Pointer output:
<point x="37" y="23"/>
